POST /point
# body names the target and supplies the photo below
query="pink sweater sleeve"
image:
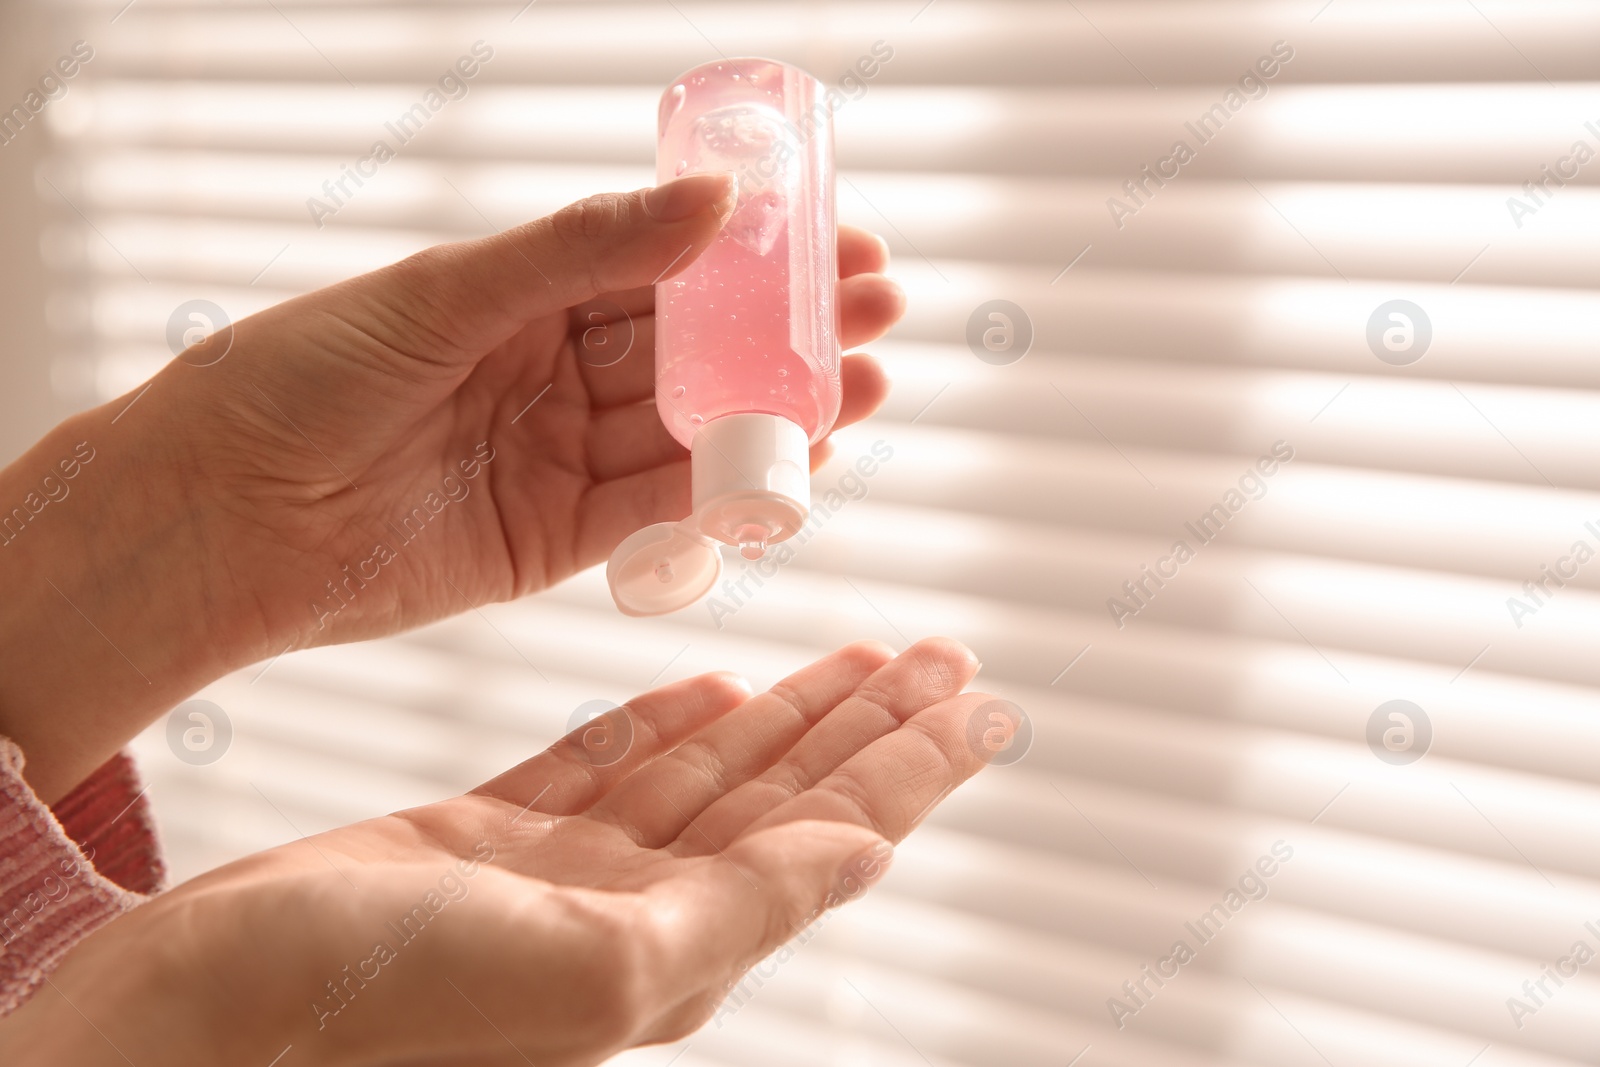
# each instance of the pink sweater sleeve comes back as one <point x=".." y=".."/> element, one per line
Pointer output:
<point x="68" y="870"/>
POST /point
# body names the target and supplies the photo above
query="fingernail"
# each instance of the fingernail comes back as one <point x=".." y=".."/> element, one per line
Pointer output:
<point x="883" y="244"/>
<point x="689" y="195"/>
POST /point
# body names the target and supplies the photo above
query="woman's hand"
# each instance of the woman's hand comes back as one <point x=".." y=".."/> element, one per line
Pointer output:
<point x="604" y="894"/>
<point x="340" y="420"/>
<point x="373" y="456"/>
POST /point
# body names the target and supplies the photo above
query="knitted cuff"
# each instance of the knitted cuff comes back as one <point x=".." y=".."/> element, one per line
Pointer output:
<point x="68" y="871"/>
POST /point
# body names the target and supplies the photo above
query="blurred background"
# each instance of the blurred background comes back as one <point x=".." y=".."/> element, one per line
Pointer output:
<point x="1377" y="255"/>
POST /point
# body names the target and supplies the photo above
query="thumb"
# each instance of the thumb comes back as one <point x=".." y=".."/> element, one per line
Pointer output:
<point x="472" y="295"/>
<point x="774" y="884"/>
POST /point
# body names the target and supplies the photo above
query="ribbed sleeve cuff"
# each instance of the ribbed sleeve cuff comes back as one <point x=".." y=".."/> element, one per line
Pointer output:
<point x="66" y="872"/>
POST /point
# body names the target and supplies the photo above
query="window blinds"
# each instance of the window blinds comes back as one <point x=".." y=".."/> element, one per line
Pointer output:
<point x="1218" y="771"/>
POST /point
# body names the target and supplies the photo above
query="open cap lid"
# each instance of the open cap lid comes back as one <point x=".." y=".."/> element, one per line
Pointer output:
<point x="663" y="567"/>
<point x="751" y="488"/>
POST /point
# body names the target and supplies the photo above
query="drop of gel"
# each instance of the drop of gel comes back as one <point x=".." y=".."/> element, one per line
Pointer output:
<point x="664" y="571"/>
<point x="752" y="549"/>
<point x="696" y="419"/>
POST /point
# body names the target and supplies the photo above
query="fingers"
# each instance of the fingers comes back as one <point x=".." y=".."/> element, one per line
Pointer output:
<point x="467" y="297"/>
<point x="864" y="388"/>
<point x="868" y="305"/>
<point x="891" y="785"/>
<point x="930" y="671"/>
<point x="864" y="385"/>
<point x="577" y="770"/>
<point x="656" y="806"/>
<point x="861" y="252"/>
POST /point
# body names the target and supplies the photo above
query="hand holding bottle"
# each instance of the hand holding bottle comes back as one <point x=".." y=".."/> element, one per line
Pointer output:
<point x="260" y="503"/>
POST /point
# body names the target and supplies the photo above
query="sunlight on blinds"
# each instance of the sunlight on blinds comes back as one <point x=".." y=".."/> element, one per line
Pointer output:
<point x="1370" y="522"/>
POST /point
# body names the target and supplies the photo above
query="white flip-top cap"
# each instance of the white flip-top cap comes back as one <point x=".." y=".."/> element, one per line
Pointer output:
<point x="751" y="488"/>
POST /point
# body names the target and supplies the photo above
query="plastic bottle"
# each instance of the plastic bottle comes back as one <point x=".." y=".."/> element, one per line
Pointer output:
<point x="747" y="355"/>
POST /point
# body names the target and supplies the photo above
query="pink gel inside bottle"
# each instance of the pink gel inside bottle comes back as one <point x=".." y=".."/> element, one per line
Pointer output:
<point x="747" y="351"/>
<point x="750" y="326"/>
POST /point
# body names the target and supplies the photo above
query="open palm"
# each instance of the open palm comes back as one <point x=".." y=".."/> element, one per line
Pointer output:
<point x="603" y="894"/>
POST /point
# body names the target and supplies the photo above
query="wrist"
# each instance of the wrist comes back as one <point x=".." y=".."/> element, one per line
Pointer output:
<point x="114" y="613"/>
<point x="166" y="984"/>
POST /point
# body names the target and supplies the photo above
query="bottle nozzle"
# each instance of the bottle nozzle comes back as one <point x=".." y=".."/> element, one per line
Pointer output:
<point x="751" y="489"/>
<point x="751" y="484"/>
